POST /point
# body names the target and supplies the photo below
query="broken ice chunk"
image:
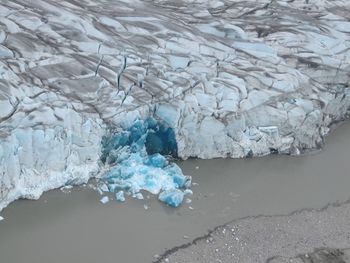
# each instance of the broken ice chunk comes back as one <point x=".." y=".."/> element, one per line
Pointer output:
<point x="139" y="196"/>
<point x="120" y="196"/>
<point x="104" y="188"/>
<point x="188" y="182"/>
<point x="66" y="188"/>
<point x="1" y="218"/>
<point x="157" y="160"/>
<point x="112" y="187"/>
<point x="188" y="192"/>
<point x="99" y="191"/>
<point x="172" y="197"/>
<point x="104" y="200"/>
<point x="178" y="178"/>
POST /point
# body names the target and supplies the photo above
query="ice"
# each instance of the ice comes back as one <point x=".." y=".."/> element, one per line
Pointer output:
<point x="139" y="196"/>
<point x="172" y="197"/>
<point x="104" y="200"/>
<point x="133" y="169"/>
<point x="99" y="191"/>
<point x="157" y="160"/>
<point x="188" y="192"/>
<point x="211" y="85"/>
<point x="120" y="196"/>
<point x="104" y="188"/>
<point x="1" y="218"/>
<point x="188" y="200"/>
<point x="66" y="188"/>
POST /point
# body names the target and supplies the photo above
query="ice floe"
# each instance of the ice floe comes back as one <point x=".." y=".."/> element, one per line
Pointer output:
<point x="104" y="200"/>
<point x="119" y="196"/>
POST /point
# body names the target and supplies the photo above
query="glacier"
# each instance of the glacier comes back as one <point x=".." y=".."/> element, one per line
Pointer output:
<point x="229" y="79"/>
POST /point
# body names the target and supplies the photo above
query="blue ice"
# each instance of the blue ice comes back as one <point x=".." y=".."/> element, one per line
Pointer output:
<point x="137" y="163"/>
<point x="172" y="198"/>
<point x="119" y="196"/>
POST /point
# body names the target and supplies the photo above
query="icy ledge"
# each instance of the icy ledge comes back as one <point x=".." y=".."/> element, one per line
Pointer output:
<point x="231" y="79"/>
<point x="38" y="159"/>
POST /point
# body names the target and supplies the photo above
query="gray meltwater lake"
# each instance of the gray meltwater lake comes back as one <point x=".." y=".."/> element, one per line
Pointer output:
<point x="77" y="228"/>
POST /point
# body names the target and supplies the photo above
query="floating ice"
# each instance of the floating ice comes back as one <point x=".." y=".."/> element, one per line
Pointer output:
<point x="66" y="188"/>
<point x="137" y="163"/>
<point x="1" y="218"/>
<point x="120" y="196"/>
<point x="104" y="200"/>
<point x="172" y="197"/>
<point x="188" y="192"/>
<point x="104" y="188"/>
<point x="139" y="196"/>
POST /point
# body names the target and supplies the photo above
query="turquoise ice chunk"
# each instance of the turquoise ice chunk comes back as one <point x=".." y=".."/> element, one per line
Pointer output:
<point x="119" y="196"/>
<point x="157" y="160"/>
<point x="172" y="198"/>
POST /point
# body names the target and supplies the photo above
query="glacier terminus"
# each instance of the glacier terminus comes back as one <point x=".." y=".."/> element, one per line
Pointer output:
<point x="90" y="88"/>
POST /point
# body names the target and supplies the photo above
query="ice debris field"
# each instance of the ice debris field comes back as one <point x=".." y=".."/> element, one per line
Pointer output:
<point x="137" y="160"/>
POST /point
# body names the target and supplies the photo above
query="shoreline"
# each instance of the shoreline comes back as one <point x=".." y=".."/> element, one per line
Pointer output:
<point x="295" y="222"/>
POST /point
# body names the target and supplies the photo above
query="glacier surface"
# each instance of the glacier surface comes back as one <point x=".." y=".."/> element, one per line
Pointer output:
<point x="228" y="78"/>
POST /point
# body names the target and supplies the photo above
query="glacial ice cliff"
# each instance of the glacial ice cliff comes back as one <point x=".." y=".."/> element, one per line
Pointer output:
<point x="230" y="78"/>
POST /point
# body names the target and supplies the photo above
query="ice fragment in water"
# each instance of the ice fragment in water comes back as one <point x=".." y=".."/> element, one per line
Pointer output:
<point x="104" y="200"/>
<point x="139" y="196"/>
<point x="172" y="197"/>
<point x="120" y="196"/>
<point x="104" y="188"/>
<point x="1" y="218"/>
<point x="188" y="192"/>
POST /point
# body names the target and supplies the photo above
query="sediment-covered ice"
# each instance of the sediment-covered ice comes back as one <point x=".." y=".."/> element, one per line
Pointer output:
<point x="228" y="78"/>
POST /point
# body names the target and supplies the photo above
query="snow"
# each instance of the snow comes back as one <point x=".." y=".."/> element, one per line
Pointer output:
<point x="139" y="196"/>
<point x="188" y="192"/>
